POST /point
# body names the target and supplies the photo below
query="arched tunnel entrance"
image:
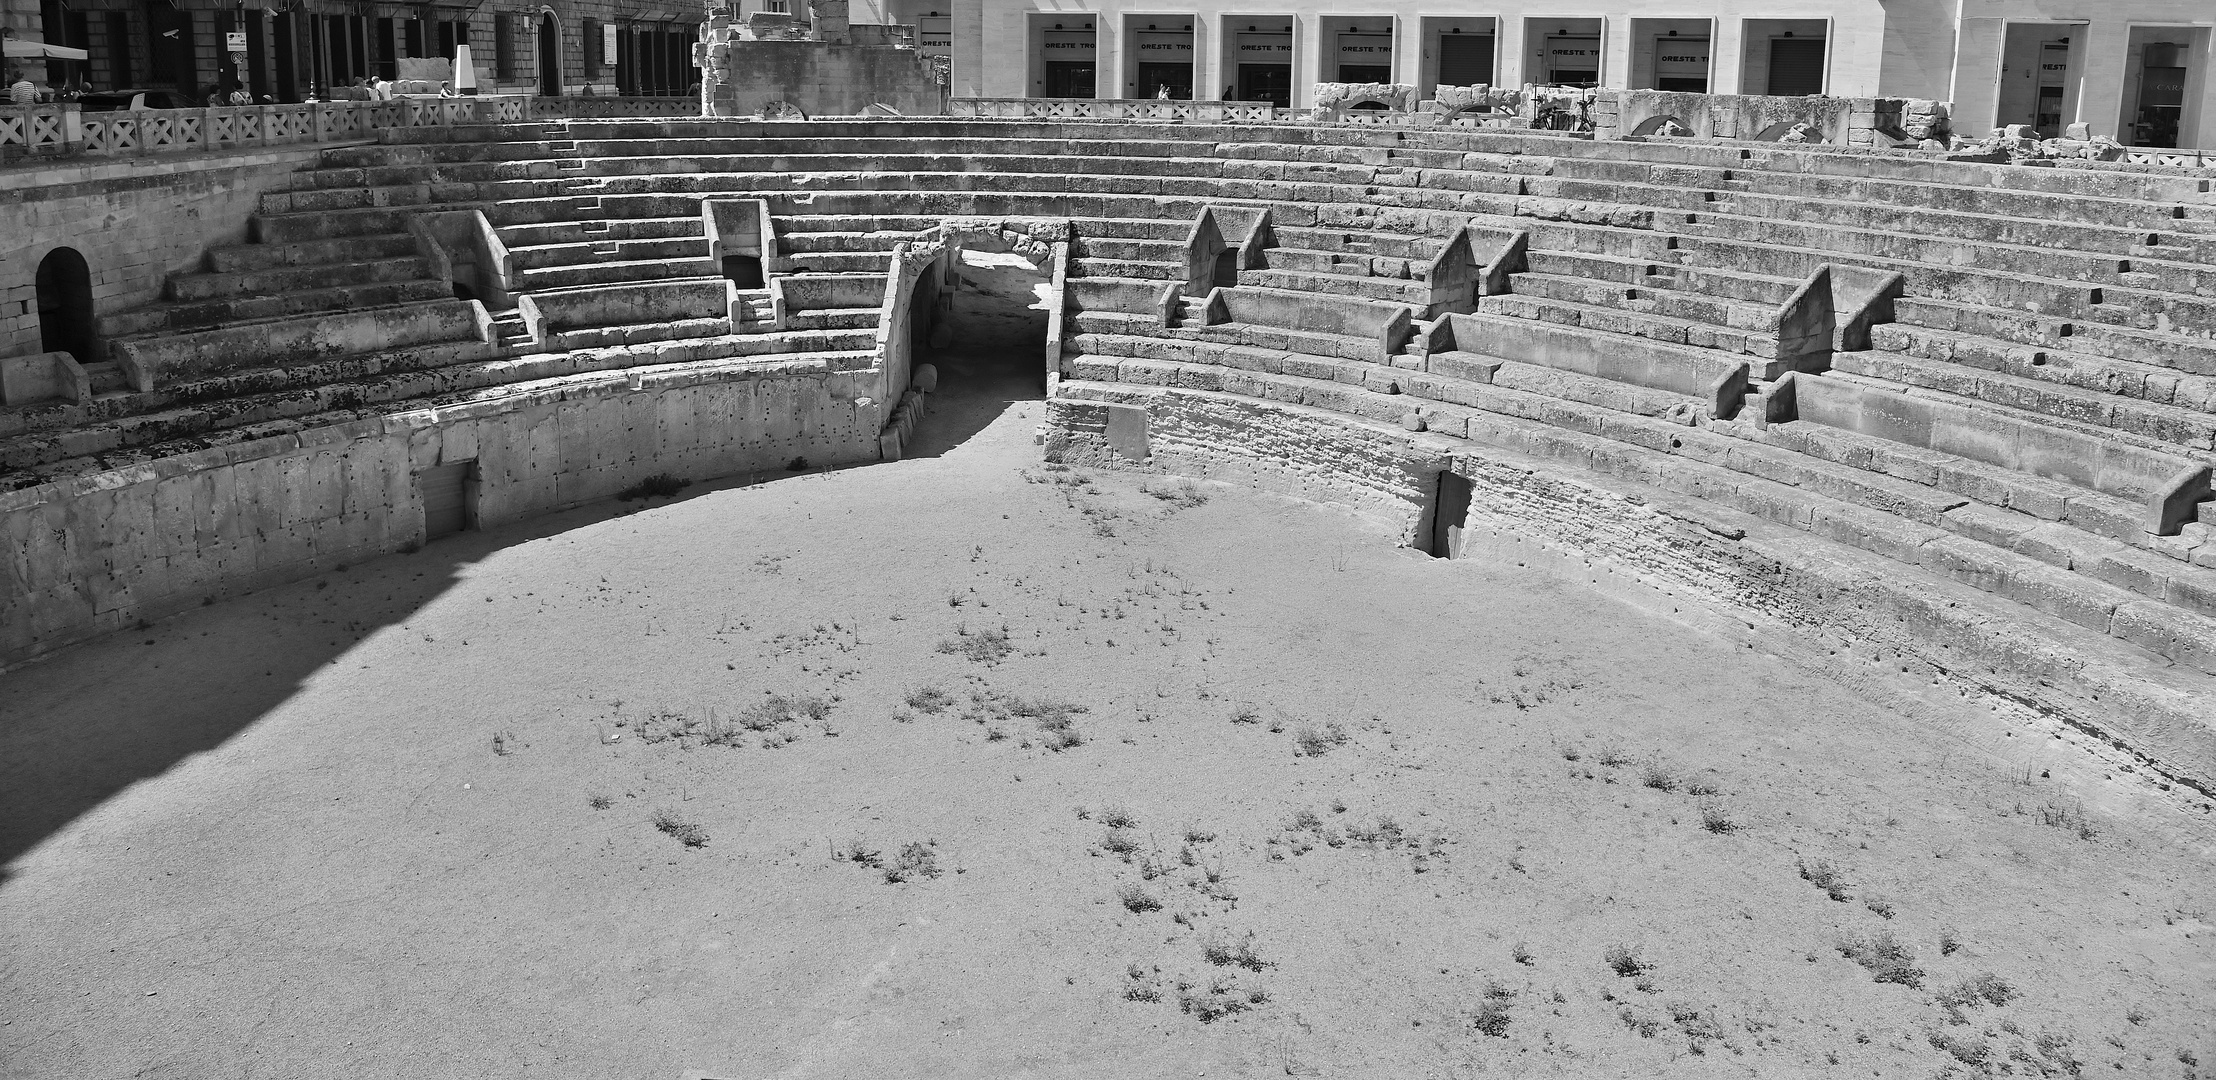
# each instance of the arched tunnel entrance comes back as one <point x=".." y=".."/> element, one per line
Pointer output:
<point x="983" y="327"/>
<point x="65" y="316"/>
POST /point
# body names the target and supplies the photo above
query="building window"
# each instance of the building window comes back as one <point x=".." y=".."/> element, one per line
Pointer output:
<point x="592" y="47"/>
<point x="503" y="46"/>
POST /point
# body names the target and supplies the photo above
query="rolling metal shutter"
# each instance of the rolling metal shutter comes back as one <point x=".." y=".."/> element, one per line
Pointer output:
<point x="1465" y="60"/>
<point x="1796" y="67"/>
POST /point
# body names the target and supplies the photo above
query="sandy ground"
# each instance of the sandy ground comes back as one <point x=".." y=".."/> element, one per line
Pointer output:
<point x="352" y="827"/>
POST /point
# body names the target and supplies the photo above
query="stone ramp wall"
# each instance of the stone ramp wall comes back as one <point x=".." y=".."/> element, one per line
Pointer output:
<point x="87" y="556"/>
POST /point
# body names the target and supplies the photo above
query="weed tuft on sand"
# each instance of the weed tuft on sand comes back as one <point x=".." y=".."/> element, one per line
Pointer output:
<point x="1886" y="958"/>
<point x="1316" y="742"/>
<point x="681" y="829"/>
<point x="1625" y="960"/>
<point x="929" y="699"/>
<point x="1136" y="900"/>
<point x="983" y="646"/>
<point x="917" y="859"/>
<point x="1824" y="876"/>
<point x="658" y="486"/>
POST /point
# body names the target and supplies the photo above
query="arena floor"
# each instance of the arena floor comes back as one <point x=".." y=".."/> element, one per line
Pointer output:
<point x="347" y="827"/>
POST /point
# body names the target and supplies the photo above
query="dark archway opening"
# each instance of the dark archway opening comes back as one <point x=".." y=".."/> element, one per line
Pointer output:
<point x="65" y="318"/>
<point x="1449" y="515"/>
<point x="1226" y="274"/>
<point x="990" y="329"/>
<point x="744" y="271"/>
<point x="923" y="313"/>
<point x="550" y="56"/>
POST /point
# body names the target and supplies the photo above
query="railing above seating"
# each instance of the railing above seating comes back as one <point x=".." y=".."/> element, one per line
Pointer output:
<point x="1199" y="112"/>
<point x="65" y="130"/>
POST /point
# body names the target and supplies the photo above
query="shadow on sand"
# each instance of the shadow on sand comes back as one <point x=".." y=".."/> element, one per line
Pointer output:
<point x="73" y="734"/>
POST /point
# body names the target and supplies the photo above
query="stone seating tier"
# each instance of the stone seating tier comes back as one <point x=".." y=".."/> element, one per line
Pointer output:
<point x="1803" y="473"/>
<point x="2133" y="293"/>
<point x="1663" y="331"/>
<point x="59" y="440"/>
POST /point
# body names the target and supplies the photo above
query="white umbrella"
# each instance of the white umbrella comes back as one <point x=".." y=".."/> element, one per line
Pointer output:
<point x="465" y="73"/>
<point x="34" y="49"/>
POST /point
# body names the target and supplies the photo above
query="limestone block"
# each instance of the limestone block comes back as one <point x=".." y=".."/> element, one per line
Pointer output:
<point x="46" y="376"/>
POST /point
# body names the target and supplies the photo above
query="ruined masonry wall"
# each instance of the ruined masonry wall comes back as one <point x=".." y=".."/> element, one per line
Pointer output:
<point x="1838" y="609"/>
<point x="134" y="221"/>
<point x="822" y="78"/>
<point x="84" y="557"/>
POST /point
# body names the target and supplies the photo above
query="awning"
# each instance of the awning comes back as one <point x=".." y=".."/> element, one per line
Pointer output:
<point x="31" y="50"/>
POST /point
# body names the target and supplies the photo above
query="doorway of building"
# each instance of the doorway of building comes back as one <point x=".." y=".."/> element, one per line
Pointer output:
<point x="1070" y="79"/>
<point x="1796" y="67"/>
<point x="550" y="56"/>
<point x="1466" y="60"/>
<point x="2161" y="95"/>
<point x="65" y="318"/>
<point x="1177" y="78"/>
<point x="1267" y="82"/>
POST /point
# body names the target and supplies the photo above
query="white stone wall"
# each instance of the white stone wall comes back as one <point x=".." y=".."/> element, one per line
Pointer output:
<point x="98" y="553"/>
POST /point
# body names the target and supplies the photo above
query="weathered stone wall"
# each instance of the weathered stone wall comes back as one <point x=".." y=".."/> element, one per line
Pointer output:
<point x="87" y="556"/>
<point x="1734" y="575"/>
<point x="133" y="221"/>
<point x="1837" y="121"/>
<point x="822" y="78"/>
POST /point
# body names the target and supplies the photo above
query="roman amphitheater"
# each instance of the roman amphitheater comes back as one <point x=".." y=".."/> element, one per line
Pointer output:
<point x="1180" y="589"/>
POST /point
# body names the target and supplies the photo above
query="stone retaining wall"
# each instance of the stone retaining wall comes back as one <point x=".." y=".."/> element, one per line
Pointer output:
<point x="87" y="556"/>
<point x="134" y="222"/>
<point x="1728" y="573"/>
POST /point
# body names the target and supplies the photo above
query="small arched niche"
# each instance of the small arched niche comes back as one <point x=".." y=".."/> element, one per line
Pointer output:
<point x="65" y="316"/>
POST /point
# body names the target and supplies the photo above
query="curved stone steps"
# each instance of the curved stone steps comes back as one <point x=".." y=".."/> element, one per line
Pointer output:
<point x="1881" y="515"/>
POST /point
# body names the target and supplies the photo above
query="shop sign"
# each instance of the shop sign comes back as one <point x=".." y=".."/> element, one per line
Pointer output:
<point x="935" y="36"/>
<point x="1264" y="48"/>
<point x="1680" y="58"/>
<point x="1371" y="49"/>
<point x="1076" y="45"/>
<point x="1160" y="48"/>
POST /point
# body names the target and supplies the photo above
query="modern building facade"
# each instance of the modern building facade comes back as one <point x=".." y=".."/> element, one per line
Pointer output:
<point x="287" y="50"/>
<point x="2133" y="70"/>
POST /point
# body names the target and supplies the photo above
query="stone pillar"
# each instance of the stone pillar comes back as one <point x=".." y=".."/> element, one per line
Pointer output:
<point x="1309" y="50"/>
<point x="713" y="53"/>
<point x="968" y="55"/>
<point x="1511" y="54"/>
<point x="1408" y="45"/>
<point x="1726" y="55"/>
<point x="829" y="19"/>
<point x="2197" y="128"/>
<point x="1615" y="53"/>
<point x="2100" y="100"/>
<point x="1977" y="76"/>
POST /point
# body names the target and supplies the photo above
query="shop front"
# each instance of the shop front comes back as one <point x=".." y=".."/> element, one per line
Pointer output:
<point x="1261" y="62"/>
<point x="1163" y="57"/>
